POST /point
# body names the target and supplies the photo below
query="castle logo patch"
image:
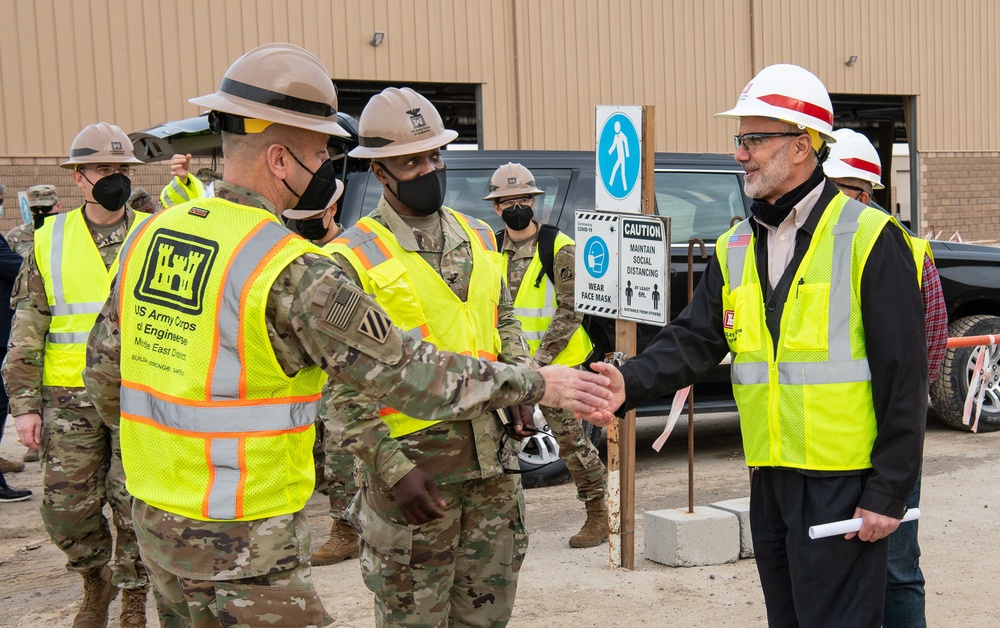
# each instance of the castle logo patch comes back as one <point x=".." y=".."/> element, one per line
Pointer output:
<point x="727" y="319"/>
<point x="175" y="271"/>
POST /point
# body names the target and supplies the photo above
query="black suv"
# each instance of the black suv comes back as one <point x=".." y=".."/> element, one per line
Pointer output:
<point x="702" y="193"/>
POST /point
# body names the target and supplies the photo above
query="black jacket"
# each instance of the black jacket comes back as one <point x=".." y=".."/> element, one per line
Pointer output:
<point x="892" y="309"/>
<point x="10" y="265"/>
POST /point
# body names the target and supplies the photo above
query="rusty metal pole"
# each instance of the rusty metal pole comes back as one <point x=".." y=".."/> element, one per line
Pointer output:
<point x="691" y="245"/>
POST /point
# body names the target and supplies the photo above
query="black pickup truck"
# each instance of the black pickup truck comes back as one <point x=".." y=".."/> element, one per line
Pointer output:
<point x="702" y="194"/>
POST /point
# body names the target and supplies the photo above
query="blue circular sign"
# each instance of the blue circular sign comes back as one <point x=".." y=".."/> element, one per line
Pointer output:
<point x="595" y="257"/>
<point x="618" y="156"/>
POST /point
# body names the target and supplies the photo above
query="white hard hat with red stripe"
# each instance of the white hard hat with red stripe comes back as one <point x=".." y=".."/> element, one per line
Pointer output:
<point x="791" y="94"/>
<point x="853" y="156"/>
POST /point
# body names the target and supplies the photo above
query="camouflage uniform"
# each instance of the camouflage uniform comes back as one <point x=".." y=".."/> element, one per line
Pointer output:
<point x="334" y="465"/>
<point x="461" y="569"/>
<point x="22" y="238"/>
<point x="198" y="566"/>
<point x="81" y="461"/>
<point x="582" y="458"/>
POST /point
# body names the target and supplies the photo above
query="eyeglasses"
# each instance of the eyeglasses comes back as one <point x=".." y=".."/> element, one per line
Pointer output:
<point x="105" y="171"/>
<point x="853" y="188"/>
<point x="509" y="203"/>
<point x="752" y="141"/>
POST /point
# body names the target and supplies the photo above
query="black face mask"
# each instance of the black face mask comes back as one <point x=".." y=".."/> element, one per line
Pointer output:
<point x="311" y="228"/>
<point x="518" y="217"/>
<point x="425" y="194"/>
<point x="321" y="188"/>
<point x="38" y="216"/>
<point x="112" y="191"/>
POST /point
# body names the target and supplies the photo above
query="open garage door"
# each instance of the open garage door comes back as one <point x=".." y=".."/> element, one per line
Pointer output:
<point x="458" y="103"/>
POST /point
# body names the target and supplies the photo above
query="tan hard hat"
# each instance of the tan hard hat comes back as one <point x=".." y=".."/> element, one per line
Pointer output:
<point x="302" y="214"/>
<point x="42" y="196"/>
<point x="279" y="83"/>
<point x="100" y="143"/>
<point x="512" y="180"/>
<point x="399" y="121"/>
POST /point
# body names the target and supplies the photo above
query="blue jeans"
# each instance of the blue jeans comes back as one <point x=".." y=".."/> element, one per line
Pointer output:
<point x="904" y="591"/>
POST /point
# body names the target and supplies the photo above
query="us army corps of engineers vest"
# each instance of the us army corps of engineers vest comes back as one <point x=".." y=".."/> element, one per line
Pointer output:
<point x="211" y="427"/>
<point x="419" y="301"/>
<point x="77" y="283"/>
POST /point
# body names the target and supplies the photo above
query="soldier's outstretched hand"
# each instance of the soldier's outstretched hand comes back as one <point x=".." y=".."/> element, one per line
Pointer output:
<point x="581" y="391"/>
<point x="180" y="165"/>
<point x="417" y="496"/>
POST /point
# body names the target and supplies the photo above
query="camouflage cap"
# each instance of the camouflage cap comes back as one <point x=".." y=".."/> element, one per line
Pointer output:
<point x="141" y="201"/>
<point x="42" y="196"/>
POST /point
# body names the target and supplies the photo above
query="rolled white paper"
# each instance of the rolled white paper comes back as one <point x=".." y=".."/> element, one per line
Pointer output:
<point x="851" y="525"/>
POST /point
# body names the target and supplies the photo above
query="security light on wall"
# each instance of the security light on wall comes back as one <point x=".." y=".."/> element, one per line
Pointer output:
<point x="851" y="60"/>
<point x="377" y="38"/>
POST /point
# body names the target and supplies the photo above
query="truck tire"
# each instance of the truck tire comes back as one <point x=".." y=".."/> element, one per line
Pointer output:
<point x="952" y="385"/>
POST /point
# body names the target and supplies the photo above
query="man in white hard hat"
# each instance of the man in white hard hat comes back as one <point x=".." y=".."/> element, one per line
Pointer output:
<point x="832" y="392"/>
<point x="539" y="266"/>
<point x="854" y="166"/>
<point x="214" y="346"/>
<point x="436" y="272"/>
<point x="64" y="281"/>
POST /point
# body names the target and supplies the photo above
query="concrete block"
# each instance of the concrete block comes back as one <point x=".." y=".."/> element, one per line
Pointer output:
<point x="740" y="508"/>
<point x="677" y="538"/>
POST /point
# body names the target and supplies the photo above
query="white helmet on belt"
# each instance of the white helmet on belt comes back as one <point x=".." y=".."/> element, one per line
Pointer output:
<point x="399" y="121"/>
<point x="854" y="157"/>
<point x="791" y="94"/>
<point x="100" y="143"/>
<point x="278" y="83"/>
<point x="512" y="180"/>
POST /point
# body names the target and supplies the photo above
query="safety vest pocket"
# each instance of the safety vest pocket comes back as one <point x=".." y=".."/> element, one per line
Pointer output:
<point x="742" y="323"/>
<point x="394" y="290"/>
<point x="808" y="318"/>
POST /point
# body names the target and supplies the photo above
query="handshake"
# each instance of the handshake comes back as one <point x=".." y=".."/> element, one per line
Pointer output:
<point x="593" y="396"/>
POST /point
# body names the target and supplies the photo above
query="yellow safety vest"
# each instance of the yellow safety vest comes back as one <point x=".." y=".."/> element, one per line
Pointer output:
<point x="535" y="305"/>
<point x="177" y="192"/>
<point x="419" y="301"/>
<point x="810" y="406"/>
<point x="211" y="427"/>
<point x="77" y="284"/>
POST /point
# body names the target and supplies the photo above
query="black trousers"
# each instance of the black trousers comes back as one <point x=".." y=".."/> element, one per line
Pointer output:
<point x="818" y="583"/>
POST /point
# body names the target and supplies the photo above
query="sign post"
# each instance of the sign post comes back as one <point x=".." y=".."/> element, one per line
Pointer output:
<point x="632" y="285"/>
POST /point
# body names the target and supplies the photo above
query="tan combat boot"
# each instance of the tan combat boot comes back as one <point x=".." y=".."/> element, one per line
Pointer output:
<point x="343" y="544"/>
<point x="133" y="608"/>
<point x="30" y="455"/>
<point x="11" y="466"/>
<point x="97" y="595"/>
<point x="595" y="528"/>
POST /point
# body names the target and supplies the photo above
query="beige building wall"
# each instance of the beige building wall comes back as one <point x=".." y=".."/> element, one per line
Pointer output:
<point x="542" y="64"/>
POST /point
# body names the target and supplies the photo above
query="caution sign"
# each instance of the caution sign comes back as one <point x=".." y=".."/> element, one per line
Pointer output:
<point x="644" y="284"/>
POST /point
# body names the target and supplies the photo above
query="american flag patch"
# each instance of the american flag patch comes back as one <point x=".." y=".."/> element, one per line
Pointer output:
<point x="343" y="306"/>
<point x="375" y="324"/>
<point x="739" y="240"/>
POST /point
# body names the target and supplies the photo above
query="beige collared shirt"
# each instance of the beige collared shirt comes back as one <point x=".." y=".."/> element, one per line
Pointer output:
<point x="781" y="239"/>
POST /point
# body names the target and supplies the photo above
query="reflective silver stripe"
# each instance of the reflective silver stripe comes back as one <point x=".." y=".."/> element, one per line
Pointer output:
<point x="179" y="189"/>
<point x="416" y="333"/>
<point x="93" y="307"/>
<point x="68" y="338"/>
<point x="225" y="459"/>
<point x="840" y="282"/>
<point x="801" y="373"/>
<point x="736" y="257"/>
<point x="528" y="312"/>
<point x="219" y="419"/>
<point x="55" y="259"/>
<point x="226" y="378"/>
<point x="371" y="251"/>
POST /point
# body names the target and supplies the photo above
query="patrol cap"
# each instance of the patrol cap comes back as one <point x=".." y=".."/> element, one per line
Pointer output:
<point x="140" y="198"/>
<point x="278" y="83"/>
<point x="42" y="196"/>
<point x="512" y="180"/>
<point x="100" y="143"/>
<point x="399" y="121"/>
<point x="302" y="214"/>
